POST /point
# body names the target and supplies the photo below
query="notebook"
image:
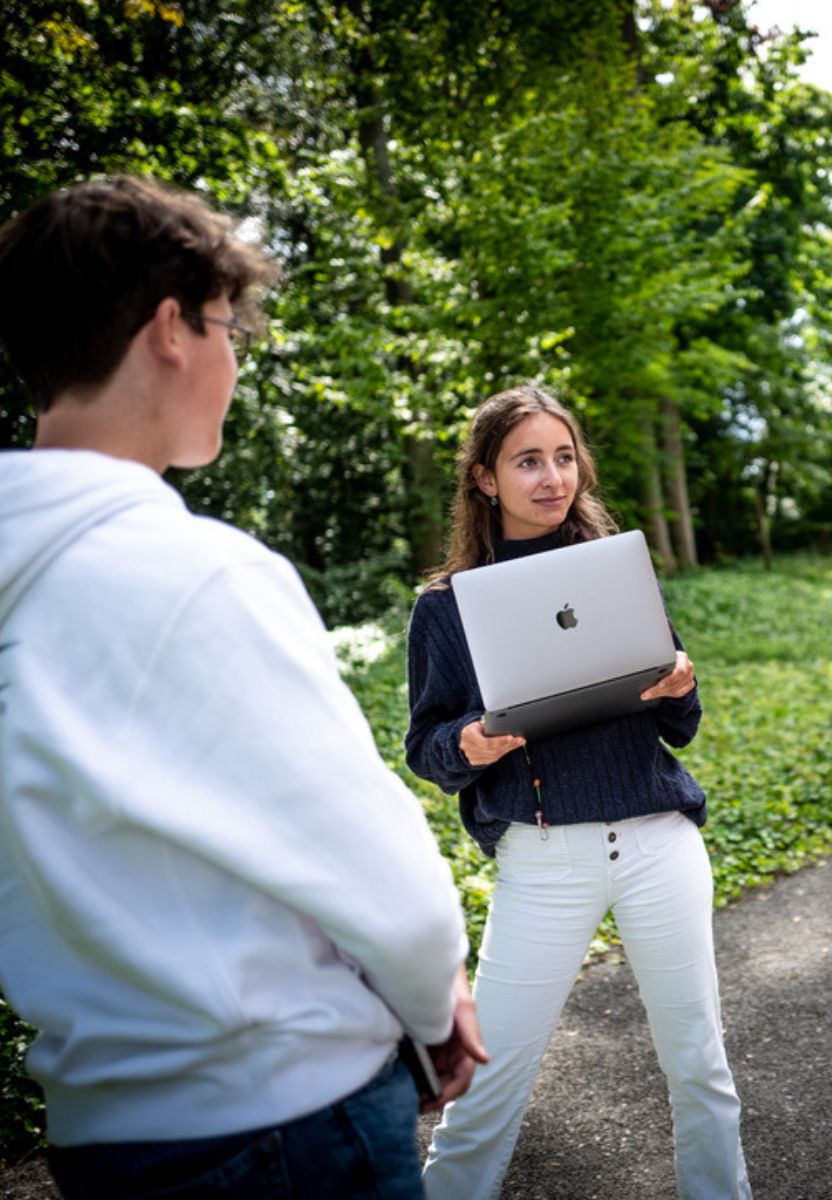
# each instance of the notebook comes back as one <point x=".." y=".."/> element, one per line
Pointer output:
<point x="567" y="637"/>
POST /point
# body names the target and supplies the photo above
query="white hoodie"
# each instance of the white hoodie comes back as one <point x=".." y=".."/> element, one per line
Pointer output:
<point x="208" y="877"/>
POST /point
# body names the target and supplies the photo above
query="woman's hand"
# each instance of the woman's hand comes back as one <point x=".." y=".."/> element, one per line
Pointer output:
<point x="481" y="750"/>
<point x="678" y="683"/>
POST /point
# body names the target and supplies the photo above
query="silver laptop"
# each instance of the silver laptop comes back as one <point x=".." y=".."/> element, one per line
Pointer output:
<point x="566" y="637"/>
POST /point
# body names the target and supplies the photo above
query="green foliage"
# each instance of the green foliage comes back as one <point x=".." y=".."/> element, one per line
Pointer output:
<point x="463" y="196"/>
<point x="763" y="450"/>
<point x="764" y="754"/>
<point x="356" y="588"/>
<point x="22" y="1125"/>
<point x="637" y="234"/>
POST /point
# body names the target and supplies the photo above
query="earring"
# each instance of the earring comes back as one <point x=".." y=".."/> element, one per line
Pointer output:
<point x="493" y="501"/>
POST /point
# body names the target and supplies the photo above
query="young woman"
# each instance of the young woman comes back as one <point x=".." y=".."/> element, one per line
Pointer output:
<point x="600" y="818"/>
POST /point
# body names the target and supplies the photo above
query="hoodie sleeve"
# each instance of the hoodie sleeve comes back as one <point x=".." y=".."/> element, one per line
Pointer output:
<point x="277" y="779"/>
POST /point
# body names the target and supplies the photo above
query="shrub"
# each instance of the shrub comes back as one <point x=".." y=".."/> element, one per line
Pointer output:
<point x="22" y="1126"/>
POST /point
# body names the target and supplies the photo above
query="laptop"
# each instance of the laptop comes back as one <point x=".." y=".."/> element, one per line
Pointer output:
<point x="565" y="638"/>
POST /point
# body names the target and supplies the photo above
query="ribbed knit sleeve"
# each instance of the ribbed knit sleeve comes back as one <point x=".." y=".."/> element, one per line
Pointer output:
<point x="443" y="692"/>
<point x="678" y="720"/>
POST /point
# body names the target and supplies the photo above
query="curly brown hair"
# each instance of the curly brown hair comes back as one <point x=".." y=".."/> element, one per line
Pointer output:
<point x="475" y="523"/>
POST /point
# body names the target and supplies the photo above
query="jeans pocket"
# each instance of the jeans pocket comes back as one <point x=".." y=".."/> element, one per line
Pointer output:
<point x="660" y="832"/>
<point x="257" y="1172"/>
<point x="528" y="857"/>
<point x="364" y="1147"/>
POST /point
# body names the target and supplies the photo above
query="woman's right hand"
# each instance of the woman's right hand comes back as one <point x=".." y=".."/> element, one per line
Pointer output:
<point x="481" y="750"/>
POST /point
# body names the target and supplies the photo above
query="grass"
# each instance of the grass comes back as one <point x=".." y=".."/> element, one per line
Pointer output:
<point x="761" y="645"/>
<point x="762" y="648"/>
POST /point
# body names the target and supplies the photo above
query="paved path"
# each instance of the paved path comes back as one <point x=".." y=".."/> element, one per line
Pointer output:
<point x="598" y="1126"/>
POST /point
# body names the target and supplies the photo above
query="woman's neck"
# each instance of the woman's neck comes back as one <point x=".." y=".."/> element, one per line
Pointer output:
<point x="507" y="548"/>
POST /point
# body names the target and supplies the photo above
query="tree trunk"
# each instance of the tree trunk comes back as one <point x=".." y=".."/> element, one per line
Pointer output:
<point x="423" y="518"/>
<point x="424" y="494"/>
<point x="630" y="36"/>
<point x="658" y="530"/>
<point x="677" y="485"/>
<point x="658" y="533"/>
<point x="762" y="491"/>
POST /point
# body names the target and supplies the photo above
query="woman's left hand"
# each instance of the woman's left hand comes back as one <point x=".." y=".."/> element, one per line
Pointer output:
<point x="679" y="682"/>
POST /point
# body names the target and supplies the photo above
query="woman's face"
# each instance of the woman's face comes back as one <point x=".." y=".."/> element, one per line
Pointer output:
<point x="535" y="476"/>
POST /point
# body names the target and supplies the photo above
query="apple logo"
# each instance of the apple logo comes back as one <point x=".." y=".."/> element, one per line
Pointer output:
<point x="566" y="617"/>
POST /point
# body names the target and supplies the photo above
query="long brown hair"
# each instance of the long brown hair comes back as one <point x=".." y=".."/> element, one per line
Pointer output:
<point x="475" y="523"/>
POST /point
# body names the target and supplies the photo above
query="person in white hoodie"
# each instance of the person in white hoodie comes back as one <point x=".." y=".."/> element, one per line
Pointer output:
<point x="218" y="907"/>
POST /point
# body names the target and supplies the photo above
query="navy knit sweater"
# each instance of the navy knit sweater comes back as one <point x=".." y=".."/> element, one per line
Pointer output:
<point x="605" y="772"/>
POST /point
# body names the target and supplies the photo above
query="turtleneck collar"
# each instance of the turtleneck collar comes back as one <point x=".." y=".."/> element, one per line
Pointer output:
<point x="521" y="547"/>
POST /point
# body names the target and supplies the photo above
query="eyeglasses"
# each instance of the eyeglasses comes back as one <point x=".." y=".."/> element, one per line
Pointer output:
<point x="241" y="335"/>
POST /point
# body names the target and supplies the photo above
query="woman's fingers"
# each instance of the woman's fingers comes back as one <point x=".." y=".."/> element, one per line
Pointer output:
<point x="481" y="750"/>
<point x="679" y="682"/>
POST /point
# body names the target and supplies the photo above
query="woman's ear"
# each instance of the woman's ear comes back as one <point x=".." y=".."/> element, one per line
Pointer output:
<point x="484" y="479"/>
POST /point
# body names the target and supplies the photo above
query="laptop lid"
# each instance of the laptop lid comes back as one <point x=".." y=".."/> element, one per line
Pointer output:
<point x="566" y="637"/>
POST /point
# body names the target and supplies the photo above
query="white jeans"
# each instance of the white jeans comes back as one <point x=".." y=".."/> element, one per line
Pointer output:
<point x="550" y="896"/>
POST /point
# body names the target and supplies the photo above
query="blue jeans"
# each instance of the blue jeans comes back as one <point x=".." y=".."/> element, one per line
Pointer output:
<point x="363" y="1147"/>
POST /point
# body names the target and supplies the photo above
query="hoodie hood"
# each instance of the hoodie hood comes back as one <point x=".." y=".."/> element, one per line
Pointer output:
<point x="50" y="498"/>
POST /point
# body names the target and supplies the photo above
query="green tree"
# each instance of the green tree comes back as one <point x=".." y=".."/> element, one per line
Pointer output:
<point x="463" y="196"/>
<point x="763" y="454"/>
<point x="98" y="87"/>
